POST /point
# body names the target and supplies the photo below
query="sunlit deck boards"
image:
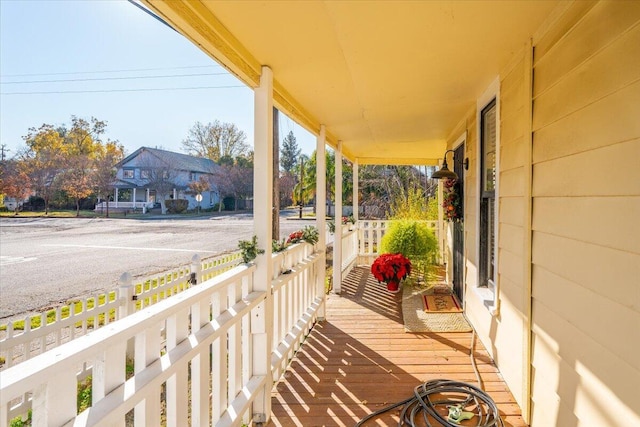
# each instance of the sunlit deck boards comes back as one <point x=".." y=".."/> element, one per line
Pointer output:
<point x="360" y="360"/>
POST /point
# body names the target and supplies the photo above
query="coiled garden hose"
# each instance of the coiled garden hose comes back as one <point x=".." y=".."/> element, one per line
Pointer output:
<point x="433" y="398"/>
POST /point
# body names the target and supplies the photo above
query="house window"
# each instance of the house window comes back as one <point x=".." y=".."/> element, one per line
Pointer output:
<point x="127" y="173"/>
<point x="144" y="174"/>
<point x="488" y="138"/>
<point x="192" y="176"/>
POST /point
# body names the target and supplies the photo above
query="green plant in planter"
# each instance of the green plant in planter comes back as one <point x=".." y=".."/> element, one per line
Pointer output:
<point x="310" y="234"/>
<point x="249" y="249"/>
<point x="278" y="246"/>
<point x="414" y="240"/>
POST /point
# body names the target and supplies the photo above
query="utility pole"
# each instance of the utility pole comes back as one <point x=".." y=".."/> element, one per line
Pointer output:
<point x="301" y="183"/>
<point x="3" y="149"/>
<point x="275" y="223"/>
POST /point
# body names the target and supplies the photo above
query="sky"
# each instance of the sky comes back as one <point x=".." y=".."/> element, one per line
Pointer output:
<point x="121" y="66"/>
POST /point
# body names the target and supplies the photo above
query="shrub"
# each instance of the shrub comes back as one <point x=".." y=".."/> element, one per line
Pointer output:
<point x="414" y="240"/>
<point x="176" y="206"/>
<point x="410" y="205"/>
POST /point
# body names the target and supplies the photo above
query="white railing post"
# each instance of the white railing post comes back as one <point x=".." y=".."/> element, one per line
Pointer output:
<point x="126" y="306"/>
<point x="321" y="214"/>
<point x="356" y="190"/>
<point x="108" y="373"/>
<point x="196" y="270"/>
<point x="125" y="296"/>
<point x="337" y="243"/>
<point x="262" y="315"/>
<point x="54" y="402"/>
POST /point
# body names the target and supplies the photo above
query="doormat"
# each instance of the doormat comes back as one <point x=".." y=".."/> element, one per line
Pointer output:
<point x="417" y="320"/>
<point x="441" y="304"/>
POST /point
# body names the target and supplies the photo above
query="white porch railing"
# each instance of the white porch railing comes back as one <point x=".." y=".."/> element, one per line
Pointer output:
<point x="123" y="205"/>
<point x="192" y="351"/>
<point x="31" y="336"/>
<point x="370" y="234"/>
<point x="349" y="250"/>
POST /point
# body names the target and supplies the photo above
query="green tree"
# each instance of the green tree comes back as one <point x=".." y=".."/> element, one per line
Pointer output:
<point x="308" y="183"/>
<point x="215" y="140"/>
<point x="289" y="153"/>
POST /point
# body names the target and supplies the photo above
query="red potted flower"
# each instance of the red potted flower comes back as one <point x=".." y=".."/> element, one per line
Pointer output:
<point x="391" y="269"/>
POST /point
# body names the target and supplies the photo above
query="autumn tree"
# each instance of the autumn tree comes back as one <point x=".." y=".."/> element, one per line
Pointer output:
<point x="82" y="146"/>
<point x="104" y="169"/>
<point x="14" y="182"/>
<point x="65" y="158"/>
<point x="215" y="140"/>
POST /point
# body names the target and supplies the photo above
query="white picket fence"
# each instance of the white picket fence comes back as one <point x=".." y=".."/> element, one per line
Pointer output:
<point x="21" y="340"/>
<point x="211" y="353"/>
<point x="370" y="234"/>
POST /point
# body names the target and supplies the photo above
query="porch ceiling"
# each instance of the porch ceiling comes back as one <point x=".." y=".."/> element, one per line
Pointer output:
<point x="389" y="79"/>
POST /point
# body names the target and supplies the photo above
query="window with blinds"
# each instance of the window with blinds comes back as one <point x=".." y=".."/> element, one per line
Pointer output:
<point x="488" y="128"/>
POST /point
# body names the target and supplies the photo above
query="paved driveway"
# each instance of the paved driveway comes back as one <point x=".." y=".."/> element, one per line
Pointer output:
<point x="46" y="261"/>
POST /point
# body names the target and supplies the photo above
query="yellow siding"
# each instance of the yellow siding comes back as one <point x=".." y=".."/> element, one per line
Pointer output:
<point x="586" y="207"/>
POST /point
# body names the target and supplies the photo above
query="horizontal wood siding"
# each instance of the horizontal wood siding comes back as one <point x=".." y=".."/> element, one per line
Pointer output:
<point x="586" y="212"/>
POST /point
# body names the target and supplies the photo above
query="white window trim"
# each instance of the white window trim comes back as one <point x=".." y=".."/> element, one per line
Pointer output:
<point x="489" y="295"/>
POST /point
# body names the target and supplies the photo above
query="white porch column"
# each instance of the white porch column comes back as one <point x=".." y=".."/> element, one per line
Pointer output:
<point x="356" y="183"/>
<point x="321" y="211"/>
<point x="146" y="197"/>
<point x="116" y="196"/>
<point x="337" y="238"/>
<point x="262" y="316"/>
<point x="134" y="197"/>
<point x="175" y="194"/>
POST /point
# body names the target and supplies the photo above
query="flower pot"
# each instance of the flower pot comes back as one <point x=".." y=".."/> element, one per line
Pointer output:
<point x="393" y="286"/>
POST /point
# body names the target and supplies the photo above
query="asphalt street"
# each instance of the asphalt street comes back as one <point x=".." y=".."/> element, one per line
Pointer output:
<point x="46" y="261"/>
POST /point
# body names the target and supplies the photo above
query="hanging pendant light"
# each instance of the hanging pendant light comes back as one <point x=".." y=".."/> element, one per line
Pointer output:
<point x="444" y="172"/>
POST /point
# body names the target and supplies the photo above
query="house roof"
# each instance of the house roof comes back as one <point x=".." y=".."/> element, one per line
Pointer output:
<point x="177" y="161"/>
<point x="391" y="80"/>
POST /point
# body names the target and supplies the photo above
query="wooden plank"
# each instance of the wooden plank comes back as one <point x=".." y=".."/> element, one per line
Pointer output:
<point x="589" y="219"/>
<point x="600" y="26"/>
<point x="592" y="266"/>
<point x="332" y="378"/>
<point x="608" y="121"/>
<point x="610" y="70"/>
<point x="551" y="177"/>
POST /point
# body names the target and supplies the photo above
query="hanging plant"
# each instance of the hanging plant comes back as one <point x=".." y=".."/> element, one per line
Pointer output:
<point x="452" y="203"/>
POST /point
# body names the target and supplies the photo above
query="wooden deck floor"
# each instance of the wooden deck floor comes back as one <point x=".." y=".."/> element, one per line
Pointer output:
<point x="360" y="360"/>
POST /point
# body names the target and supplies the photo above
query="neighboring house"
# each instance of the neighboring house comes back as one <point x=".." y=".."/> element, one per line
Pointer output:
<point x="140" y="175"/>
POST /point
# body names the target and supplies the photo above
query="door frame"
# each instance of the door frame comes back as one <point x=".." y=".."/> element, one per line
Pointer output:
<point x="460" y="142"/>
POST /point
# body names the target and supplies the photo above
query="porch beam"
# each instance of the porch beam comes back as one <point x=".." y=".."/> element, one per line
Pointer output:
<point x="355" y="200"/>
<point x="321" y="211"/>
<point x="262" y="315"/>
<point x="337" y="237"/>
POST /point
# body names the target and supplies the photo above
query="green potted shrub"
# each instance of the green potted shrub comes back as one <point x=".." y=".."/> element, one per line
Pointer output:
<point x="414" y="240"/>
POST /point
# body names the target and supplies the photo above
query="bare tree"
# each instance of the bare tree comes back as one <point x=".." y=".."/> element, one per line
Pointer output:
<point x="160" y="177"/>
<point x="215" y="140"/>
